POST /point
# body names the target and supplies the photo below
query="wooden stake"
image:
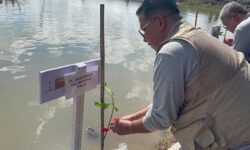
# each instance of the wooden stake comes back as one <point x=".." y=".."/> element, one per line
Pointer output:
<point x="102" y="56"/>
<point x="78" y="105"/>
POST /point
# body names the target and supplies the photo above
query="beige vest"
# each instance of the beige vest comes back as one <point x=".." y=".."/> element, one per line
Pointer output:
<point x="216" y="111"/>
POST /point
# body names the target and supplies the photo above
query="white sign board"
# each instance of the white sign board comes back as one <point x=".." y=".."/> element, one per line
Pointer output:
<point x="76" y="83"/>
<point x="71" y="80"/>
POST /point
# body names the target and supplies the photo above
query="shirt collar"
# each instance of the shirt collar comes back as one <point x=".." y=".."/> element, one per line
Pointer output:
<point x="171" y="32"/>
<point x="247" y="15"/>
<point x="174" y="27"/>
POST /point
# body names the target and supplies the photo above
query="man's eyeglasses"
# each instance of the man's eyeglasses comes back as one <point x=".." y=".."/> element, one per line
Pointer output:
<point x="224" y="25"/>
<point x="142" y="30"/>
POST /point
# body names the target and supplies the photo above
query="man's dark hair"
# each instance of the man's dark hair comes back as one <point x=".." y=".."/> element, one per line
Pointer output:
<point x="149" y="7"/>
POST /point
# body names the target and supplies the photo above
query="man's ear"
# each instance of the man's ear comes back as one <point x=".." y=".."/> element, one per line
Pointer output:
<point x="162" y="23"/>
<point x="235" y="16"/>
<point x="239" y="17"/>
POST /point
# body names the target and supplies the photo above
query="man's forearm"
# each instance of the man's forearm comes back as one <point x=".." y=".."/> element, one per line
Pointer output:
<point x="137" y="115"/>
<point x="138" y="127"/>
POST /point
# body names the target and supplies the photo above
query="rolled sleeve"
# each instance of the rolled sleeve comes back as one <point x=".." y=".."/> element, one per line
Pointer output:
<point x="152" y="123"/>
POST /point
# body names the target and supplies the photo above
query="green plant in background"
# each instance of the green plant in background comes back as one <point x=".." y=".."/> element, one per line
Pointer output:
<point x="192" y="2"/>
<point x="107" y="105"/>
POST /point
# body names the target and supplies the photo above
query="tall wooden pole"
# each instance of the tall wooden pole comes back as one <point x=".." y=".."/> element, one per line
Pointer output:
<point x="196" y="17"/>
<point x="102" y="56"/>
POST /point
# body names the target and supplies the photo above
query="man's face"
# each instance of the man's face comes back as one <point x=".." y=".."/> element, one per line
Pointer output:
<point x="150" y="32"/>
<point x="231" y="22"/>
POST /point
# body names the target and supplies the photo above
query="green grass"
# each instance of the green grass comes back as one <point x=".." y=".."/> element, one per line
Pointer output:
<point x="200" y="6"/>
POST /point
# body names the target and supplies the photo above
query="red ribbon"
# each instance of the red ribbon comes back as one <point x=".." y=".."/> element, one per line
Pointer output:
<point x="229" y="42"/>
<point x="105" y="130"/>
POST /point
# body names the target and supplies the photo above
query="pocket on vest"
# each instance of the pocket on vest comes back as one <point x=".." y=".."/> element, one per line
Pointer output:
<point x="205" y="139"/>
<point x="196" y="134"/>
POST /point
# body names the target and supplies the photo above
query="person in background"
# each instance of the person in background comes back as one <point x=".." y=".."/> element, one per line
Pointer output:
<point x="201" y="86"/>
<point x="236" y="19"/>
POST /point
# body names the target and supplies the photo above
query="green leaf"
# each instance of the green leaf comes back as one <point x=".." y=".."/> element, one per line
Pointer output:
<point x="102" y="105"/>
<point x="116" y="109"/>
<point x="110" y="92"/>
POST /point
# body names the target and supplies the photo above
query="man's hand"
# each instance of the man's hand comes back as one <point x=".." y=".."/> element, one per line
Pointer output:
<point x="130" y="124"/>
<point x="121" y="126"/>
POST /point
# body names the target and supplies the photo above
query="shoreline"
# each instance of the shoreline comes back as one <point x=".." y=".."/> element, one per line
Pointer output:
<point x="212" y="3"/>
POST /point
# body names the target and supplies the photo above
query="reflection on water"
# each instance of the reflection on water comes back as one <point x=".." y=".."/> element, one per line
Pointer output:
<point x="13" y="3"/>
<point x="41" y="34"/>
